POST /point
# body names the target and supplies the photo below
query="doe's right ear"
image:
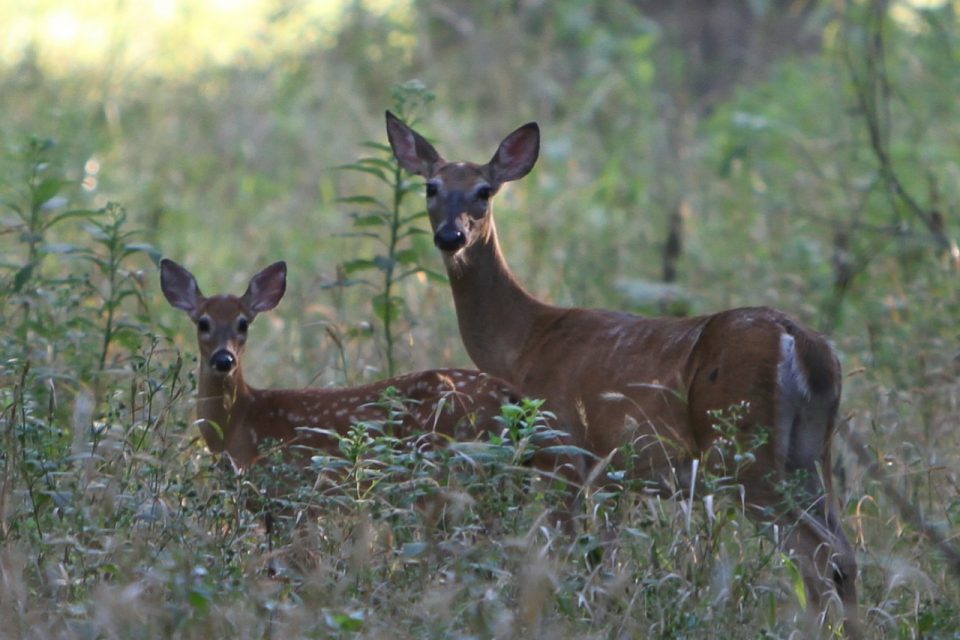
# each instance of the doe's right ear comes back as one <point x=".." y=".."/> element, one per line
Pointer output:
<point x="411" y="150"/>
<point x="180" y="287"/>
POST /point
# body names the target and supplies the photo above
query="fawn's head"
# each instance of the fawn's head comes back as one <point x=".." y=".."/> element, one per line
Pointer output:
<point x="222" y="321"/>
<point x="459" y="193"/>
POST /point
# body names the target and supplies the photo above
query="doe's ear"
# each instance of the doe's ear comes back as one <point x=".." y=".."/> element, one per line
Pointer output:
<point x="266" y="288"/>
<point x="411" y="150"/>
<point x="516" y="154"/>
<point x="180" y="287"/>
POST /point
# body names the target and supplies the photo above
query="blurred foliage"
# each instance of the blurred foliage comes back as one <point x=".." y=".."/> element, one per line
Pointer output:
<point x="219" y="126"/>
<point x="384" y="220"/>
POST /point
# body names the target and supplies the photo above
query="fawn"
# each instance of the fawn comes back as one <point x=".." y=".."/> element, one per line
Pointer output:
<point x="235" y="417"/>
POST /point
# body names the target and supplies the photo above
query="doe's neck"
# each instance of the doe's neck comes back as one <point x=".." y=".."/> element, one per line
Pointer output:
<point x="495" y="313"/>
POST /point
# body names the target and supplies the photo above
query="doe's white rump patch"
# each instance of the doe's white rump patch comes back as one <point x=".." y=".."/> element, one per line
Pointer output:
<point x="792" y="377"/>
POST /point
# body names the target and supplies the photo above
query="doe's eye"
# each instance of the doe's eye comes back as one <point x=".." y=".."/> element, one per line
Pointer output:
<point x="203" y="325"/>
<point x="484" y="192"/>
<point x="431" y="189"/>
<point x="242" y="325"/>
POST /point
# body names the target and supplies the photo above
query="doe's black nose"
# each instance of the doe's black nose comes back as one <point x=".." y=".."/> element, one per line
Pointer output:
<point x="223" y="361"/>
<point x="449" y="239"/>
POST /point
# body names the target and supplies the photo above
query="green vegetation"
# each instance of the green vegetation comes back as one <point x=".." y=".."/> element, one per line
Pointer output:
<point x="387" y="223"/>
<point x="818" y="174"/>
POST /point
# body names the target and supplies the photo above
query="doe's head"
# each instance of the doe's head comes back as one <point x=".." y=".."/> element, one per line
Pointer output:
<point x="459" y="193"/>
<point x="222" y="321"/>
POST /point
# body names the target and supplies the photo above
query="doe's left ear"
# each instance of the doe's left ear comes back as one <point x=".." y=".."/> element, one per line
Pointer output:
<point x="517" y="154"/>
<point x="266" y="288"/>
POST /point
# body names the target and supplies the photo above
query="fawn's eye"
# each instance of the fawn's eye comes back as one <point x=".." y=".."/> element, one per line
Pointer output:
<point x="203" y="325"/>
<point x="242" y="325"/>
<point x="431" y="189"/>
<point x="484" y="192"/>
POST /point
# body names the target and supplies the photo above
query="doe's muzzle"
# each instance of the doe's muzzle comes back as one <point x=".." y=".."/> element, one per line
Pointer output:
<point x="449" y="239"/>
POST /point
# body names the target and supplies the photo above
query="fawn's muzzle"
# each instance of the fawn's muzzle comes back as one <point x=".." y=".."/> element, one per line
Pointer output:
<point x="223" y="361"/>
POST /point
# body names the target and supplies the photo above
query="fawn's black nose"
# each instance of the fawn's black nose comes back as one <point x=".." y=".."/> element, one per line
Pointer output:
<point x="223" y="361"/>
<point x="449" y="239"/>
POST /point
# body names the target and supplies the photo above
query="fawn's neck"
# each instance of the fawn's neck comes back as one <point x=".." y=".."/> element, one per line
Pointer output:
<point x="221" y="403"/>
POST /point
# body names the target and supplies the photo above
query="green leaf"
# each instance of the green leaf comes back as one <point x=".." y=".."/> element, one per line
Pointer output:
<point x="604" y="496"/>
<point x="406" y="274"/>
<point x="345" y="622"/>
<point x="384" y="263"/>
<point x="379" y="146"/>
<point x="23" y="276"/>
<point x="413" y="186"/>
<point x="142" y="247"/>
<point x="416" y="216"/>
<point x="371" y="220"/>
<point x="73" y="213"/>
<point x="435" y="276"/>
<point x="360" y="200"/>
<point x="126" y="293"/>
<point x="379" y="162"/>
<point x="27" y="237"/>
<point x="346" y="282"/>
<point x="199" y="600"/>
<point x="352" y="266"/>
<point x="13" y="206"/>
<point x="63" y="248"/>
<point x="358" y="234"/>
<point x="407" y="256"/>
<point x="129" y="338"/>
<point x="796" y="581"/>
<point x="412" y="231"/>
<point x="371" y="170"/>
<point x="567" y="450"/>
<point x="413" y="549"/>
<point x="381" y="307"/>
<point x="99" y="233"/>
<point x="46" y="190"/>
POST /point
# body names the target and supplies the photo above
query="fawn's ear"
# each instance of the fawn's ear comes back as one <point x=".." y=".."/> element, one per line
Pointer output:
<point x="411" y="150"/>
<point x="266" y="288"/>
<point x="180" y="287"/>
<point x="516" y="154"/>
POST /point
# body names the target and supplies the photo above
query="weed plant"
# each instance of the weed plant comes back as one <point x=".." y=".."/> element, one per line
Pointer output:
<point x="388" y="224"/>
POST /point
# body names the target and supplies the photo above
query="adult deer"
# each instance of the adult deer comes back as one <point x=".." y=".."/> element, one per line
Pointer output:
<point x="618" y="382"/>
<point x="235" y="417"/>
